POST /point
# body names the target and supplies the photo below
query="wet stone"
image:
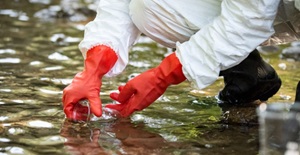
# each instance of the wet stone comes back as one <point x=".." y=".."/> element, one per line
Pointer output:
<point x="268" y="49"/>
<point x="240" y="114"/>
<point x="295" y="44"/>
<point x="291" y="52"/>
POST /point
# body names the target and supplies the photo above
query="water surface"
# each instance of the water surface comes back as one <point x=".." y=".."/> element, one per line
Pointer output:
<point x="39" y="57"/>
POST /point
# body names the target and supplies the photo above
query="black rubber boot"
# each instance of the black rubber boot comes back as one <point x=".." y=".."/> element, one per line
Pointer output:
<point x="252" y="79"/>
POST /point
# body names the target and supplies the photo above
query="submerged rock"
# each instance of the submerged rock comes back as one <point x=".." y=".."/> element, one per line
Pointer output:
<point x="240" y="114"/>
<point x="292" y="52"/>
<point x="268" y="49"/>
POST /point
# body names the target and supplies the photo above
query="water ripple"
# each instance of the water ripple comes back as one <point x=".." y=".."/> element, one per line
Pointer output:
<point x="43" y="141"/>
<point x="57" y="56"/>
<point x="10" y="60"/>
<point x="40" y="1"/>
<point x="4" y="140"/>
<point x="53" y="68"/>
<point x="16" y="150"/>
<point x="9" y="51"/>
<point x="15" y="131"/>
<point x="39" y="124"/>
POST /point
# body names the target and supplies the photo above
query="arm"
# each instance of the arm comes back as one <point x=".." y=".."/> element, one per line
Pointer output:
<point x="144" y="89"/>
<point x="227" y="40"/>
<point x="105" y="48"/>
<point x="223" y="43"/>
<point x="112" y="27"/>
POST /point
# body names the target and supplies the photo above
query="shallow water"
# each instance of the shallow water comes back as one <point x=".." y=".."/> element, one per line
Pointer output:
<point x="39" y="57"/>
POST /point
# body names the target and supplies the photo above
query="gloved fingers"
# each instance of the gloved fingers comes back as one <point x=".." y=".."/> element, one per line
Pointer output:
<point x="140" y="102"/>
<point x="71" y="94"/>
<point x="127" y="111"/>
<point x="95" y="105"/>
<point x="69" y="102"/>
<point x="66" y="97"/>
<point x="134" y="104"/>
<point x="118" y="107"/>
<point x="121" y="107"/>
<point x="120" y="88"/>
<point x="124" y="110"/>
<point x="126" y="92"/>
<point x="114" y="96"/>
<point x="68" y="109"/>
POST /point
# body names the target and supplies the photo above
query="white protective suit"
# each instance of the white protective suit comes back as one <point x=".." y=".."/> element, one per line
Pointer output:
<point x="297" y="4"/>
<point x="209" y="35"/>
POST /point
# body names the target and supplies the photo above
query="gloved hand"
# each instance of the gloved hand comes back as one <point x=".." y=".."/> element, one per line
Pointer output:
<point x="87" y="84"/>
<point x="145" y="88"/>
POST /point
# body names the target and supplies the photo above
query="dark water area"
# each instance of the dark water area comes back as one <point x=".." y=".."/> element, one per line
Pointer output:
<point x="39" y="56"/>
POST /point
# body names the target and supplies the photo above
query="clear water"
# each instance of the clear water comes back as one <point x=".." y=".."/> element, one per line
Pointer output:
<point x="39" y="57"/>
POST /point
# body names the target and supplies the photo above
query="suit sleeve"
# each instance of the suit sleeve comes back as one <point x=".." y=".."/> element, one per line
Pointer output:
<point x="227" y="40"/>
<point x="113" y="27"/>
<point x="297" y="4"/>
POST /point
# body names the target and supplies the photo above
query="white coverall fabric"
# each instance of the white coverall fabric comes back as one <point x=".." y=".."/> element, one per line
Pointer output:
<point x="112" y="27"/>
<point x="228" y="39"/>
<point x="209" y="35"/>
<point x="297" y="4"/>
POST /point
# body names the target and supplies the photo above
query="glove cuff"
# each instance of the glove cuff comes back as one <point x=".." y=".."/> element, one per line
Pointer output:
<point x="170" y="70"/>
<point x="99" y="60"/>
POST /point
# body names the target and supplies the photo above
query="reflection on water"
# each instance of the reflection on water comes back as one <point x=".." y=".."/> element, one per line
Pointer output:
<point x="39" y="57"/>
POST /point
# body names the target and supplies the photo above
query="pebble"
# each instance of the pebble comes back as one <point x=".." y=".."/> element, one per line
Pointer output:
<point x="292" y="52"/>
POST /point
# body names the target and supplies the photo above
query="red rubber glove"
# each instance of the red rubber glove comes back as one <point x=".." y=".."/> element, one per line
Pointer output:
<point x="145" y="88"/>
<point x="87" y="84"/>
